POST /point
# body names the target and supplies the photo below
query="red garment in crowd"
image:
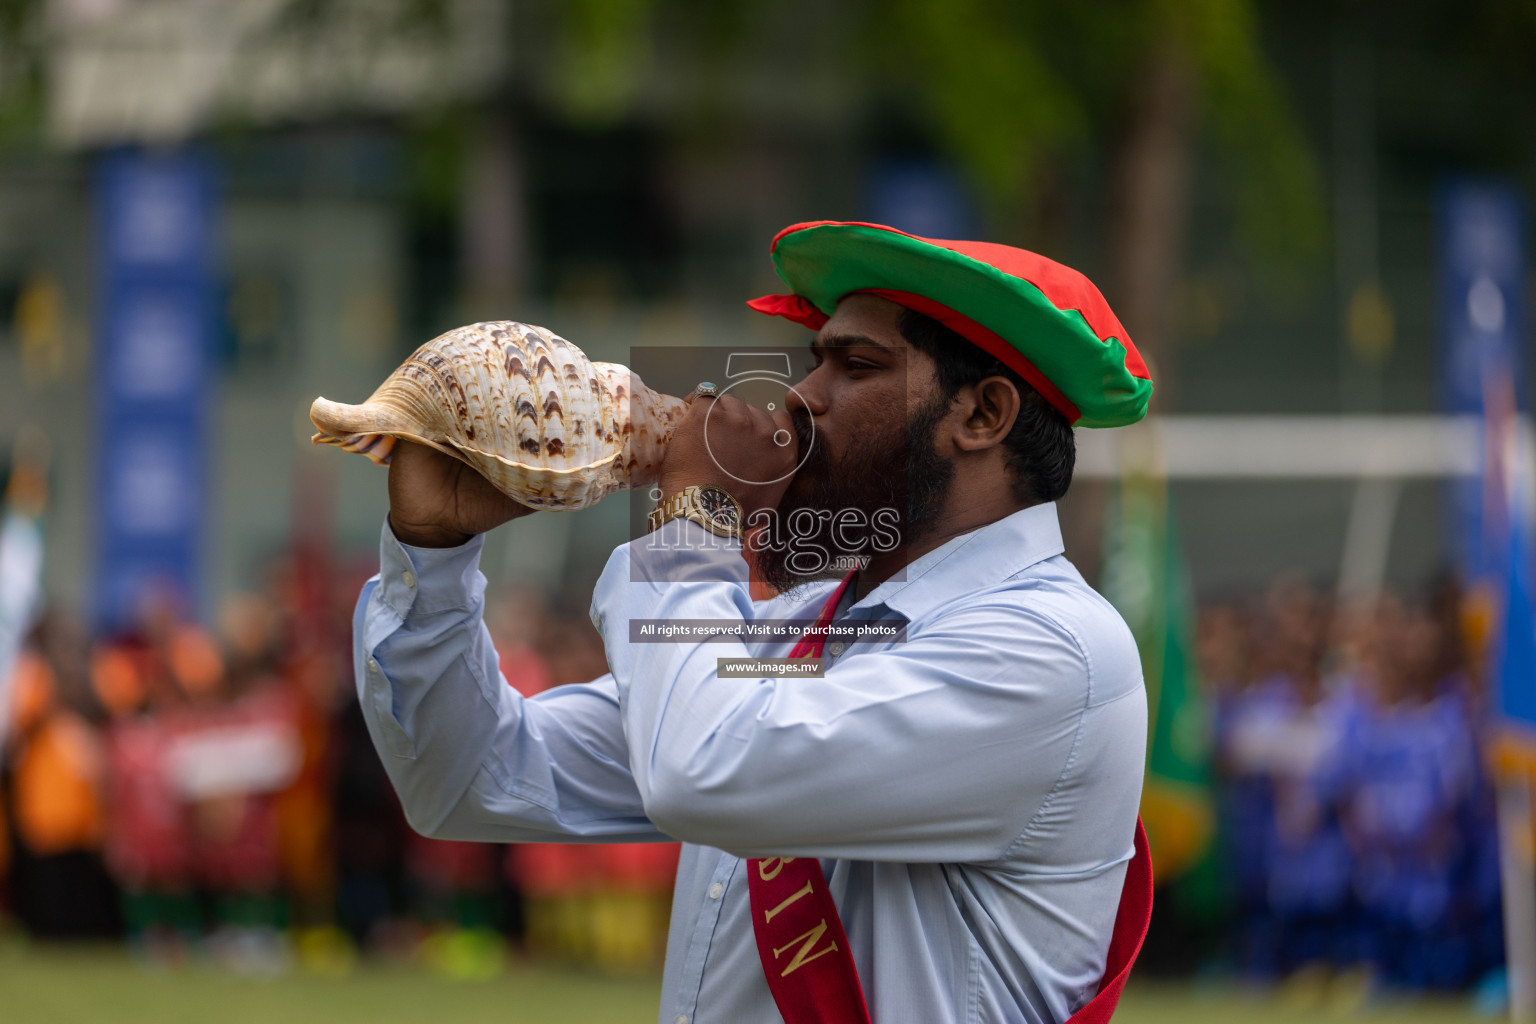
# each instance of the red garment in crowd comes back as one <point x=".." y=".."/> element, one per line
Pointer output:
<point x="443" y="865"/>
<point x="147" y="840"/>
<point x="227" y="763"/>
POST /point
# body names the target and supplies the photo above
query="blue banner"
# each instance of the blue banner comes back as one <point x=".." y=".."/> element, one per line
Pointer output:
<point x="156" y="243"/>
<point x="1483" y="322"/>
<point x="920" y="197"/>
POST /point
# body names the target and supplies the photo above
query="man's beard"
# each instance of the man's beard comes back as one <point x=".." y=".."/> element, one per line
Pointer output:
<point x="898" y="481"/>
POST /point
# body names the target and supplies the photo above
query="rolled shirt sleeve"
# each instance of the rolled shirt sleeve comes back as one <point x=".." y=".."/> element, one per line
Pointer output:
<point x="469" y="757"/>
<point x="949" y="747"/>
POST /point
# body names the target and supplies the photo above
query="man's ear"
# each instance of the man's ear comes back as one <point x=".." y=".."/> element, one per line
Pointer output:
<point x="988" y="409"/>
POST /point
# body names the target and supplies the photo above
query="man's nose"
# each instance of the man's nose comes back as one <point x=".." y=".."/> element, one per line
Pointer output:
<point x="807" y="395"/>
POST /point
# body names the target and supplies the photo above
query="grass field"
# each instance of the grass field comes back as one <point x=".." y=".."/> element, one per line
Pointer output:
<point x="105" y="986"/>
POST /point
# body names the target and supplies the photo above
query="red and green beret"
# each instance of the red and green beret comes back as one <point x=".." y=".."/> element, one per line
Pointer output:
<point x="1045" y="321"/>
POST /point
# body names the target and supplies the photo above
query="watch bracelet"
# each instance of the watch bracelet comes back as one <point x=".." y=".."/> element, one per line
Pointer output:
<point x="683" y="505"/>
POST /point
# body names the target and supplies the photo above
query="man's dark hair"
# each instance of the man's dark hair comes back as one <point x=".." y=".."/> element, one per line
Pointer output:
<point x="1041" y="448"/>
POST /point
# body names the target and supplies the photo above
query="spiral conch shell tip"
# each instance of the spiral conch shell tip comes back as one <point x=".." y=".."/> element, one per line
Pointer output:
<point x="522" y="406"/>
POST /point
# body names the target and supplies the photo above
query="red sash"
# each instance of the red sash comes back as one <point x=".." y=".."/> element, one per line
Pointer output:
<point x="804" y="950"/>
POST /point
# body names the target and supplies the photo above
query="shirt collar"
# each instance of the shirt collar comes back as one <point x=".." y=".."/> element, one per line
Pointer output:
<point x="970" y="562"/>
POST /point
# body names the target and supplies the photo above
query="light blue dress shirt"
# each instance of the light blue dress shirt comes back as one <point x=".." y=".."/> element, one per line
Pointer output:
<point x="971" y="790"/>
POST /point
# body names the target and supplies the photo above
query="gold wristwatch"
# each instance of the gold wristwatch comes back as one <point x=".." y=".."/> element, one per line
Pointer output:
<point x="711" y="507"/>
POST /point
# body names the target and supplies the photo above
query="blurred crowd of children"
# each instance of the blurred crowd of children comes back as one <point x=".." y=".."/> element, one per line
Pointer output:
<point x="1355" y="813"/>
<point x="215" y="795"/>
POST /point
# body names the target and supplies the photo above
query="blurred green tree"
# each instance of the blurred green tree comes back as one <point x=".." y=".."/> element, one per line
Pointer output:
<point x="1014" y="91"/>
<point x="21" y="71"/>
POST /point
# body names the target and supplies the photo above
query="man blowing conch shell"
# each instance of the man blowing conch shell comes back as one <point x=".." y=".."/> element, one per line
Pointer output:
<point x="942" y="827"/>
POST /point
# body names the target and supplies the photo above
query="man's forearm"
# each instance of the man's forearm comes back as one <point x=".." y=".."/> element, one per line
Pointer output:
<point x="416" y="640"/>
<point x="469" y="757"/>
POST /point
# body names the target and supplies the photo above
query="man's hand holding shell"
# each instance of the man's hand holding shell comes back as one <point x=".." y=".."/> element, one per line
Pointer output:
<point x="436" y="501"/>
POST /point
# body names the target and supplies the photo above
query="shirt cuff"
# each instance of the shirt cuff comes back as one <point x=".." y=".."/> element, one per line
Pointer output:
<point x="429" y="579"/>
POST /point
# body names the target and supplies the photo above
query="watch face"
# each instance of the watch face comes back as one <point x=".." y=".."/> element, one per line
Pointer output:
<point x="720" y="507"/>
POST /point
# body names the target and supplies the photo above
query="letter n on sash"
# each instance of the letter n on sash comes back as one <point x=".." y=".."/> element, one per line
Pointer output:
<point x="803" y="955"/>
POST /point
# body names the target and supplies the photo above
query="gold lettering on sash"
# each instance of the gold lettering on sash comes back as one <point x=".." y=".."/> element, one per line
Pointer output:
<point x="807" y="943"/>
<point x="804" y="890"/>
<point x="778" y="865"/>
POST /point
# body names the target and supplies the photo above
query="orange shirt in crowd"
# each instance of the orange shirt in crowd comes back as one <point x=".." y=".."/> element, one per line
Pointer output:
<point x="58" y="768"/>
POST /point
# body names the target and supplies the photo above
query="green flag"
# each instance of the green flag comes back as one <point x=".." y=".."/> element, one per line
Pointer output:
<point x="1146" y="580"/>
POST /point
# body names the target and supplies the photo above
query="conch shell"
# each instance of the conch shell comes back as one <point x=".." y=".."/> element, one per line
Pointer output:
<point x="522" y="406"/>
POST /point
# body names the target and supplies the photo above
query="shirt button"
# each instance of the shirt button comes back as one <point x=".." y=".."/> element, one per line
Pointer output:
<point x="836" y="648"/>
<point x="715" y="891"/>
<point x="408" y="578"/>
<point x="373" y="666"/>
<point x="682" y="1018"/>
